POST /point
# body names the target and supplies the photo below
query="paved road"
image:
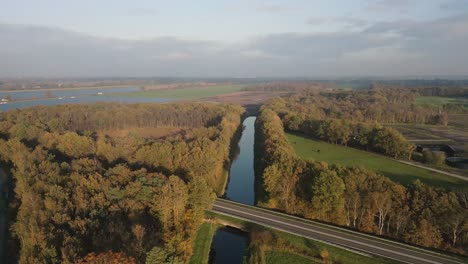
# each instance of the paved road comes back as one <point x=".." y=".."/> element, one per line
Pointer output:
<point x="358" y="242"/>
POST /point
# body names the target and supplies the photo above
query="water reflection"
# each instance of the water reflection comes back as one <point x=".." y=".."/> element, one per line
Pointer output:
<point x="228" y="246"/>
<point x="242" y="176"/>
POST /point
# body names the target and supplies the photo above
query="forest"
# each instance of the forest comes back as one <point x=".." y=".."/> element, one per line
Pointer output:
<point x="357" y="118"/>
<point x="81" y="195"/>
<point x="349" y="196"/>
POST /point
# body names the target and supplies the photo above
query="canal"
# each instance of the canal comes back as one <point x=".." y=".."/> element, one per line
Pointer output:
<point x="229" y="245"/>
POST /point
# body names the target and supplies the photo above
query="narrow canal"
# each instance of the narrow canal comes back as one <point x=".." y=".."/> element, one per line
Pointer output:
<point x="242" y="176"/>
<point x="229" y="245"/>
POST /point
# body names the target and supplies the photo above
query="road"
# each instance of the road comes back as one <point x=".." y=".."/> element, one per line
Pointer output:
<point x="361" y="243"/>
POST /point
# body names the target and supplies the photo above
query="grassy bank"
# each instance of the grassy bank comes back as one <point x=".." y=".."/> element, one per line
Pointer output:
<point x="335" y="154"/>
<point x="337" y="255"/>
<point x="202" y="243"/>
<point x="186" y="93"/>
<point x="278" y="257"/>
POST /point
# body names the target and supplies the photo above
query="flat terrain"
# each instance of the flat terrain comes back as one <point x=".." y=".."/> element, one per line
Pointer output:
<point x="278" y="257"/>
<point x="244" y="97"/>
<point x="335" y="154"/>
<point x="250" y="100"/>
<point x="70" y="88"/>
<point x="456" y="133"/>
<point x="439" y="101"/>
<point x="187" y="93"/>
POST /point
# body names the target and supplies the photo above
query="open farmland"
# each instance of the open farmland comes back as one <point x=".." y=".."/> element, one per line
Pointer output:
<point x="187" y="93"/>
<point x="439" y="101"/>
<point x="453" y="134"/>
<point x="402" y="173"/>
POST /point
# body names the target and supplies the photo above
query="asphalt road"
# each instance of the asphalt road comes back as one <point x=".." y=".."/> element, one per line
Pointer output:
<point x="358" y="242"/>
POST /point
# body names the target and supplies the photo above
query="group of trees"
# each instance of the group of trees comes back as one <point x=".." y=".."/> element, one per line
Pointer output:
<point x="336" y="118"/>
<point x="355" y="197"/>
<point x="370" y="106"/>
<point x="79" y="193"/>
<point x="366" y="136"/>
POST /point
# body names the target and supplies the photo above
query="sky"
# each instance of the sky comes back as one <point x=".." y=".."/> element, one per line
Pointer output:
<point x="218" y="38"/>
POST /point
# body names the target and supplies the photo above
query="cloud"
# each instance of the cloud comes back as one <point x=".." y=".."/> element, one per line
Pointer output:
<point x="454" y="5"/>
<point x="386" y="5"/>
<point x="143" y="11"/>
<point x="275" y="8"/>
<point x="317" y="21"/>
<point x="317" y="45"/>
<point x="399" y="47"/>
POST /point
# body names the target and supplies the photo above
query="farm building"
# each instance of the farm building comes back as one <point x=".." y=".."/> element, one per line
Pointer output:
<point x="452" y="150"/>
<point x="458" y="162"/>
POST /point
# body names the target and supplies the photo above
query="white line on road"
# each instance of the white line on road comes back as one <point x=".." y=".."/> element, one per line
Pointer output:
<point x="337" y="237"/>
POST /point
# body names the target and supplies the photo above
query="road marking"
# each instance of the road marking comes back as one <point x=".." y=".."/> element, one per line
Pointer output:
<point x="343" y="230"/>
<point x="334" y="236"/>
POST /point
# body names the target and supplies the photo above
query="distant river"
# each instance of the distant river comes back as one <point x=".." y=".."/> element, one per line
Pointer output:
<point x="79" y="96"/>
<point x="25" y="95"/>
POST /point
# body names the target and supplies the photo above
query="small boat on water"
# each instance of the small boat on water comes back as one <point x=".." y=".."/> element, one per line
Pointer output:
<point x="99" y="93"/>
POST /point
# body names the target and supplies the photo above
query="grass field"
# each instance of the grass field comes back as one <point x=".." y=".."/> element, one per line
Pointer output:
<point x="186" y="93"/>
<point x="277" y="257"/>
<point x="439" y="101"/>
<point x="337" y="255"/>
<point x="307" y="148"/>
<point x="202" y="243"/>
<point x="419" y="131"/>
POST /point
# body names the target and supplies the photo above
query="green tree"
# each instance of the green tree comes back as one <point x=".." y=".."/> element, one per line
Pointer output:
<point x="156" y="255"/>
<point x="327" y="196"/>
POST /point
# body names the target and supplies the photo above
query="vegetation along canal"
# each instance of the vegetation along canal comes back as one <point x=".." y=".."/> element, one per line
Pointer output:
<point x="229" y="245"/>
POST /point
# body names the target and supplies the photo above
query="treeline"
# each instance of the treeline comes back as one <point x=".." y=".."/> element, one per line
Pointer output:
<point x="430" y="89"/>
<point x="90" y="118"/>
<point x="336" y="118"/>
<point x="292" y="86"/>
<point x="370" y="106"/>
<point x="355" y="197"/>
<point x="79" y="193"/>
<point x="377" y="138"/>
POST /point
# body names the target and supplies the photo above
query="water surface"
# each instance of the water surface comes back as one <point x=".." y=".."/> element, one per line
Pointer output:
<point x="242" y="175"/>
<point x="228" y="246"/>
<point x="25" y="95"/>
<point x="82" y="99"/>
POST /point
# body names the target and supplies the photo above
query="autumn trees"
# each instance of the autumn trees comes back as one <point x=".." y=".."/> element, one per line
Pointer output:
<point x="78" y="191"/>
<point x="355" y="197"/>
<point x="353" y="118"/>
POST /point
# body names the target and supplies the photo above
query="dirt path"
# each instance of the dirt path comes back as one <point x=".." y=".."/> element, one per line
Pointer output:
<point x="435" y="170"/>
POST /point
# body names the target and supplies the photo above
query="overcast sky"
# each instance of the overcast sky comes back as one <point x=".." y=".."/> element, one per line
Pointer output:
<point x="244" y="38"/>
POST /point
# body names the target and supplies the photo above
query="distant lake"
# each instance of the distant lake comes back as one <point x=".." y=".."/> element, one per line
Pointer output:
<point x="24" y="95"/>
<point x="81" y="96"/>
